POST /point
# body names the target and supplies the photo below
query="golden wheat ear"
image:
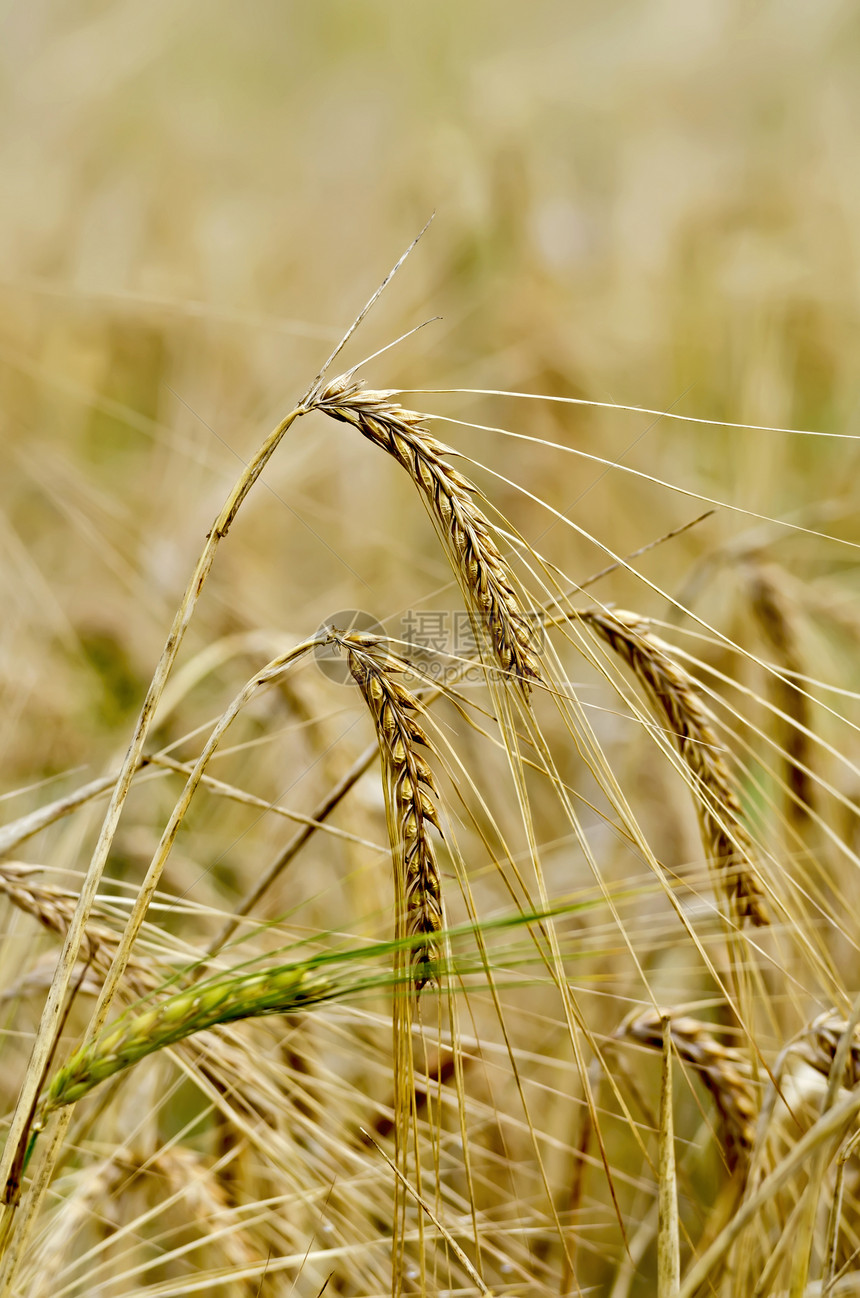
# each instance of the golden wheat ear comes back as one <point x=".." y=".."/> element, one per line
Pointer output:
<point x="672" y="693"/>
<point x="395" y="714"/>
<point x="485" y="577"/>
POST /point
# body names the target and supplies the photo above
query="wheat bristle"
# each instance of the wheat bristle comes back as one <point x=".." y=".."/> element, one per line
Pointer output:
<point x="485" y="576"/>
<point x="723" y="1070"/>
<point x="394" y="710"/>
<point x="672" y="691"/>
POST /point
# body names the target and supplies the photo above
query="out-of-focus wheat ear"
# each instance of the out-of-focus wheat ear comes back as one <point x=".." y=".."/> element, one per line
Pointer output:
<point x="81" y="1195"/>
<point x="818" y="1043"/>
<point x="192" y="1181"/>
<point x="673" y="693"/>
<point x="54" y="907"/>
<point x="485" y="576"/>
<point x="724" y="1072"/>
<point x="91" y="1196"/>
<point x="395" y="712"/>
<point x="777" y="618"/>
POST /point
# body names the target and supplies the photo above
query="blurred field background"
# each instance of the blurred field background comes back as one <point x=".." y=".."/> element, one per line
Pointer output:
<point x="653" y="204"/>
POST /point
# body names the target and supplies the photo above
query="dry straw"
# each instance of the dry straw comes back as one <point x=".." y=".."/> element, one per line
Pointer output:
<point x="395" y="711"/>
<point x="486" y="579"/>
<point x="723" y="1070"/>
<point x="672" y="691"/>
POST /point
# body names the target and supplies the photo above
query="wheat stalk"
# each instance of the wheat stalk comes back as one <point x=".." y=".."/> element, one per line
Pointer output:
<point x="672" y="691"/>
<point x="394" y="711"/>
<point x="723" y="1070"/>
<point x="485" y="576"/>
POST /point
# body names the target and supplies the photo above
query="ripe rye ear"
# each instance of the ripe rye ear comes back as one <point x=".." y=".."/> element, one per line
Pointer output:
<point x="485" y="577"/>
<point x="412" y="786"/>
<point x="672" y="692"/>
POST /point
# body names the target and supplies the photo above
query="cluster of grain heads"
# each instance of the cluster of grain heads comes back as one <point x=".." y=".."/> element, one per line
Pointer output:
<point x="485" y="577"/>
<point x="395" y="714"/>
<point x="673" y="693"/>
<point x="723" y="1070"/>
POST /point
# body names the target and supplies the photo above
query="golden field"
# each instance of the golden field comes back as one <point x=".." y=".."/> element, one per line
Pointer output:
<point x="639" y="306"/>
